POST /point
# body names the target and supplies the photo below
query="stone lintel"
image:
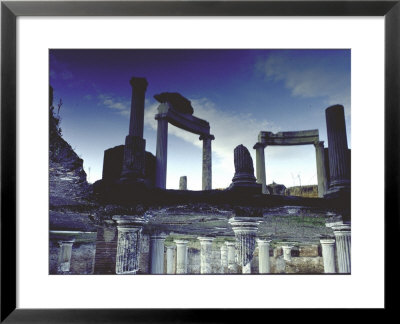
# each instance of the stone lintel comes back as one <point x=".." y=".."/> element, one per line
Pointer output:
<point x="289" y="138"/>
<point x="184" y="121"/>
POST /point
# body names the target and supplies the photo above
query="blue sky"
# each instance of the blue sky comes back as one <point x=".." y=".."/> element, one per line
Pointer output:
<point x="239" y="92"/>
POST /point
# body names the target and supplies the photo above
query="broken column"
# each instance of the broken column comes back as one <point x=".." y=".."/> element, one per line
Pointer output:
<point x="170" y="259"/>
<point x="207" y="157"/>
<point x="231" y="248"/>
<point x="162" y="146"/>
<point x="263" y="255"/>
<point x="134" y="152"/>
<point x="245" y="229"/>
<point x="328" y="255"/>
<point x="157" y="253"/>
<point x="244" y="170"/>
<point x="181" y="256"/>
<point x="339" y="165"/>
<point x="64" y="257"/>
<point x="343" y="247"/>
<point x="321" y="171"/>
<point x="287" y="252"/>
<point x="129" y="241"/>
<point x="205" y="254"/>
<point x="183" y="183"/>
<point x="260" y="167"/>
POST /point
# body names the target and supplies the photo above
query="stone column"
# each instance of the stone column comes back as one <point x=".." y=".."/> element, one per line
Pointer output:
<point x="170" y="259"/>
<point x="205" y="254"/>
<point x="162" y="146"/>
<point x="128" y="248"/>
<point x="245" y="229"/>
<point x="321" y="171"/>
<point x="64" y="257"/>
<point x="181" y="256"/>
<point x="263" y="256"/>
<point x="260" y="167"/>
<point x="224" y="258"/>
<point x="134" y="150"/>
<point x="207" y="158"/>
<point x="231" y="256"/>
<point x="157" y="253"/>
<point x="287" y="252"/>
<point x="183" y="183"/>
<point x="328" y="255"/>
<point x="343" y="247"/>
<point x="338" y="151"/>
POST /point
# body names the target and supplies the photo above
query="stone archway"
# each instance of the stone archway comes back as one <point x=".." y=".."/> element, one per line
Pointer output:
<point x="170" y="111"/>
<point x="286" y="139"/>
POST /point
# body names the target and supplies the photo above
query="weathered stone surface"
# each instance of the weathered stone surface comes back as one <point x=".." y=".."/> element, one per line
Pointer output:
<point x="309" y="251"/>
<point x="183" y="183"/>
<point x="244" y="170"/>
<point x="112" y="164"/>
<point x="177" y="101"/>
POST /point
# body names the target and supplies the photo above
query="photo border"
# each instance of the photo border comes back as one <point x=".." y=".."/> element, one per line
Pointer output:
<point x="10" y="10"/>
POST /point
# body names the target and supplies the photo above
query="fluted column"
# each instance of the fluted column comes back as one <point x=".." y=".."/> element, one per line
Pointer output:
<point x="339" y="165"/>
<point x="157" y="253"/>
<point x="321" y="171"/>
<point x="181" y="256"/>
<point x="328" y="255"/>
<point x="245" y="229"/>
<point x="343" y="247"/>
<point x="162" y="146"/>
<point x="205" y="254"/>
<point x="129" y="241"/>
<point x="260" y="167"/>
<point x="287" y="252"/>
<point x="64" y="257"/>
<point x="207" y="161"/>
<point x="170" y="259"/>
<point x="224" y="258"/>
<point x="231" y="247"/>
<point x="263" y="256"/>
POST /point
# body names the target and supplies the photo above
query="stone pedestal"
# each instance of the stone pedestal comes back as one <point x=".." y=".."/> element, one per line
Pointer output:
<point x="260" y="167"/>
<point x="64" y="257"/>
<point x="224" y="258"/>
<point x="170" y="259"/>
<point x="205" y="254"/>
<point x="183" y="183"/>
<point x="207" y="158"/>
<point x="263" y="256"/>
<point x="245" y="229"/>
<point x="343" y="247"/>
<point x="157" y="253"/>
<point x="231" y="256"/>
<point x="339" y="165"/>
<point x="328" y="255"/>
<point x="321" y="171"/>
<point x="129" y="241"/>
<point x="162" y="147"/>
<point x="134" y="151"/>
<point x="287" y="252"/>
<point x="181" y="256"/>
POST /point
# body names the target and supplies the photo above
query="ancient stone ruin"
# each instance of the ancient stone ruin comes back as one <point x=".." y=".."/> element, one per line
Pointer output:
<point x="128" y="223"/>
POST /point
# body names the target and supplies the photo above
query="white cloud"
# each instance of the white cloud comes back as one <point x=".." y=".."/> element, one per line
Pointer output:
<point x="121" y="105"/>
<point x="309" y="77"/>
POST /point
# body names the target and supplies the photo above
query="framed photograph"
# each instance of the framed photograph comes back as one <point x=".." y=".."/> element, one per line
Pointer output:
<point x="278" y="121"/>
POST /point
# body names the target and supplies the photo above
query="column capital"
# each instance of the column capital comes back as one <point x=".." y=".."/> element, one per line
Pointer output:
<point x="129" y="222"/>
<point x="342" y="229"/>
<point x="158" y="236"/>
<point x="170" y="247"/>
<point x="205" y="239"/>
<point x="244" y="225"/>
<point x="139" y="84"/>
<point x="327" y="241"/>
<point x="181" y="242"/>
<point x="259" y="145"/>
<point x="262" y="241"/>
<point x="70" y="242"/>
<point x="206" y="136"/>
<point x="229" y="243"/>
<point x="319" y="144"/>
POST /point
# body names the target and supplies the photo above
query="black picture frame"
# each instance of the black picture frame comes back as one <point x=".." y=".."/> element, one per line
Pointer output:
<point x="10" y="10"/>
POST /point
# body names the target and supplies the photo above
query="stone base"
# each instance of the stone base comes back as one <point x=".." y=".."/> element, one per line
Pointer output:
<point x="134" y="158"/>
